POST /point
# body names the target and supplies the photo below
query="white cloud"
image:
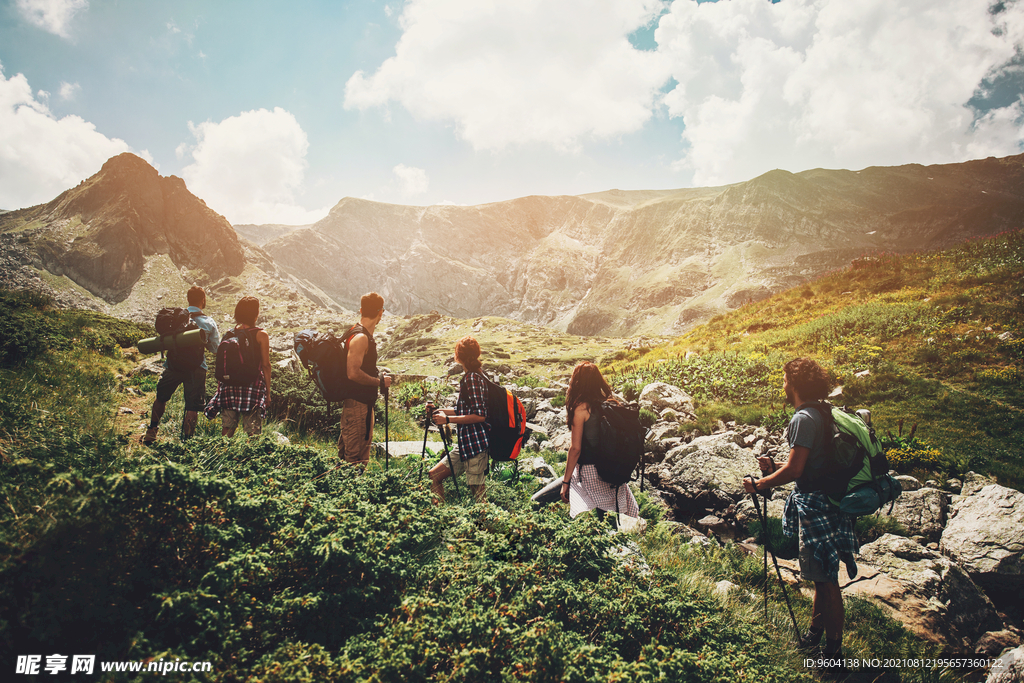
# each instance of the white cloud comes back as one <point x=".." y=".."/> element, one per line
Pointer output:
<point x="413" y="180"/>
<point x="68" y="91"/>
<point x="808" y="83"/>
<point x="51" y="15"/>
<point x="249" y="167"/>
<point x="510" y="72"/>
<point x="41" y="155"/>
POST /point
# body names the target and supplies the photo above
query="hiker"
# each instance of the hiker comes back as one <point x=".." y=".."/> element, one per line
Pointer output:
<point x="582" y="488"/>
<point x="245" y="402"/>
<point x="185" y="367"/>
<point x="826" y="535"/>
<point x="363" y="381"/>
<point x="469" y="415"/>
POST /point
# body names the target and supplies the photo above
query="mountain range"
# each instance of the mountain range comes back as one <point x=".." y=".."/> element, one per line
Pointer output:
<point x="615" y="263"/>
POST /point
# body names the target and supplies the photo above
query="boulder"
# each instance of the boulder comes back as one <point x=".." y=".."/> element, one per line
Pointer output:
<point x="745" y="512"/>
<point x="921" y="512"/>
<point x="954" y="607"/>
<point x="662" y="430"/>
<point x="985" y="536"/>
<point x="537" y="467"/>
<point x="973" y="483"/>
<point x="706" y="473"/>
<point x="1009" y="668"/>
<point x="907" y="482"/>
<point x="993" y="643"/>
<point x="658" y="396"/>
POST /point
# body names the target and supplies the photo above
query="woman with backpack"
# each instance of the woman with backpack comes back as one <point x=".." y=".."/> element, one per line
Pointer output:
<point x="243" y="373"/>
<point x="582" y="487"/>
<point x="470" y="415"/>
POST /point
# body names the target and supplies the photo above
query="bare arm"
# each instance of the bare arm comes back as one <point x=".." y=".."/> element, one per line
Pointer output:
<point x="263" y="340"/>
<point x="576" y="448"/>
<point x="791" y="470"/>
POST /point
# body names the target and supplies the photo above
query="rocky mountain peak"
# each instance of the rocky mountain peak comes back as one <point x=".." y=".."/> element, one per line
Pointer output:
<point x="100" y="233"/>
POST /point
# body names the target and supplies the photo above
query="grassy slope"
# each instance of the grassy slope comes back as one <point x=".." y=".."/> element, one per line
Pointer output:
<point x="255" y="557"/>
<point x="925" y="326"/>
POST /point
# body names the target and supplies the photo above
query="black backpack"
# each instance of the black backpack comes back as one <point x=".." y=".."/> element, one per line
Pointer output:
<point x="507" y="419"/>
<point x="620" y="446"/>
<point x="239" y="361"/>
<point x="325" y="357"/>
<point x="172" y="321"/>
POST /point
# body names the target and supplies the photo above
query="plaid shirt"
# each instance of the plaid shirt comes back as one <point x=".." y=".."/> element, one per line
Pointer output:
<point x="826" y="531"/>
<point x="474" y="438"/>
<point x="240" y="398"/>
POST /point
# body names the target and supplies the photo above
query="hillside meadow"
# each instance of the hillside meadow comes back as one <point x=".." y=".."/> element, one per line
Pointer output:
<point x="275" y="564"/>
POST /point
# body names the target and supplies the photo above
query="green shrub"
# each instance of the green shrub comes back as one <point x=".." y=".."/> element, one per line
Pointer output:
<point x="872" y="527"/>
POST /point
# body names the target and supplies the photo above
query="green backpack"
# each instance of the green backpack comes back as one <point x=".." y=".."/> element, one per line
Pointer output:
<point x="855" y="473"/>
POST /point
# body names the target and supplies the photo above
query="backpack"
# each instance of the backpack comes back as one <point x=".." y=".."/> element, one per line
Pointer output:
<point x="325" y="357"/>
<point x="239" y="361"/>
<point x="507" y="419"/>
<point x="855" y="475"/>
<point x="173" y="321"/>
<point x="620" y="446"/>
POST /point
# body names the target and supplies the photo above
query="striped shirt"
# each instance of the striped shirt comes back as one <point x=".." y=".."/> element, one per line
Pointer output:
<point x="473" y="438"/>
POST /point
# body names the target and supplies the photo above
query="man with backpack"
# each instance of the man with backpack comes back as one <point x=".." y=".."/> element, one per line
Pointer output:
<point x="826" y="534"/>
<point x="185" y="367"/>
<point x="361" y="382"/>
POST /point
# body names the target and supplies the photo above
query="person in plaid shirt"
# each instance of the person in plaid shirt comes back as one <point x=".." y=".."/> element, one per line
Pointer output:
<point x="826" y="535"/>
<point x="249" y="402"/>
<point x="469" y="415"/>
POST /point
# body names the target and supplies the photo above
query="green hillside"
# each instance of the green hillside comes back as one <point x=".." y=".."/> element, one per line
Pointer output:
<point x="273" y="564"/>
<point x="933" y="339"/>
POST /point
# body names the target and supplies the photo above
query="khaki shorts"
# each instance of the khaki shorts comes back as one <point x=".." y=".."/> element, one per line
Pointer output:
<point x="475" y="468"/>
<point x="252" y="421"/>
<point x="810" y="568"/>
<point x="353" y="445"/>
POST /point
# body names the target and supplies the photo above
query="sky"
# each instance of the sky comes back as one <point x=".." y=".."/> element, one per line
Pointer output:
<point x="273" y="112"/>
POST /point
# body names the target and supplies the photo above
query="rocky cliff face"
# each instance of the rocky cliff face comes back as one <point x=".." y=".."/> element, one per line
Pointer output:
<point x="100" y="233"/>
<point x="619" y="263"/>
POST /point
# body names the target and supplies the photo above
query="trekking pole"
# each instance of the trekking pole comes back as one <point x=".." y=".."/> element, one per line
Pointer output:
<point x="428" y="411"/>
<point x="446" y="439"/>
<point x="387" y="424"/>
<point x="763" y="516"/>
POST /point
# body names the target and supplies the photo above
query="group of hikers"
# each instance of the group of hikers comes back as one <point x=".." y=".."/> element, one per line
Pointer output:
<point x="826" y="536"/>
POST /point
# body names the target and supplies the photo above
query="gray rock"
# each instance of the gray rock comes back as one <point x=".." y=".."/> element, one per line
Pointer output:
<point x="1009" y="668"/>
<point x="658" y="396"/>
<point x="538" y="467"/>
<point x="668" y="415"/>
<point x="985" y="536"/>
<point x="993" y="643"/>
<point x="662" y="430"/>
<point x="974" y="482"/>
<point x="955" y="607"/>
<point x="706" y="473"/>
<point x="907" y="482"/>
<point x="954" y="485"/>
<point x="921" y="512"/>
<point x="745" y="512"/>
<point x="456" y="369"/>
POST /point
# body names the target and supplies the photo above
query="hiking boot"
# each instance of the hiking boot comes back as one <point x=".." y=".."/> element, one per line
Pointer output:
<point x="149" y="438"/>
<point x="810" y="639"/>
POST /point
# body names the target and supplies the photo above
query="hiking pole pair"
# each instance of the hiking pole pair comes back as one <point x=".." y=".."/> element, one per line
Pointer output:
<point x="763" y="516"/>
<point x="428" y="411"/>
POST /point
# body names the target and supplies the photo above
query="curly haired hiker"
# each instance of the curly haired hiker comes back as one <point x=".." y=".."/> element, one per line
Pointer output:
<point x="186" y="367"/>
<point x="826" y="535"/>
<point x="248" y="402"/>
<point x="582" y="487"/>
<point x="469" y="415"/>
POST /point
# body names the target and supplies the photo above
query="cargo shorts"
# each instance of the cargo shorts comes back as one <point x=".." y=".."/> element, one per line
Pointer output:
<point x="475" y="467"/>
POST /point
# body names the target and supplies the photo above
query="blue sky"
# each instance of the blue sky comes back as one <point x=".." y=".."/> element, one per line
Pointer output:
<point x="272" y="111"/>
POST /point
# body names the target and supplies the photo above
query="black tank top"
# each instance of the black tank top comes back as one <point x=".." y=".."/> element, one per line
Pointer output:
<point x="591" y="435"/>
<point x="363" y="392"/>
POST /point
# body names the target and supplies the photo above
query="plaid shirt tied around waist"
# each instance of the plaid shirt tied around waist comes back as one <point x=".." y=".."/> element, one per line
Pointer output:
<point x="473" y="438"/>
<point x="240" y="398"/>
<point x="826" y="531"/>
